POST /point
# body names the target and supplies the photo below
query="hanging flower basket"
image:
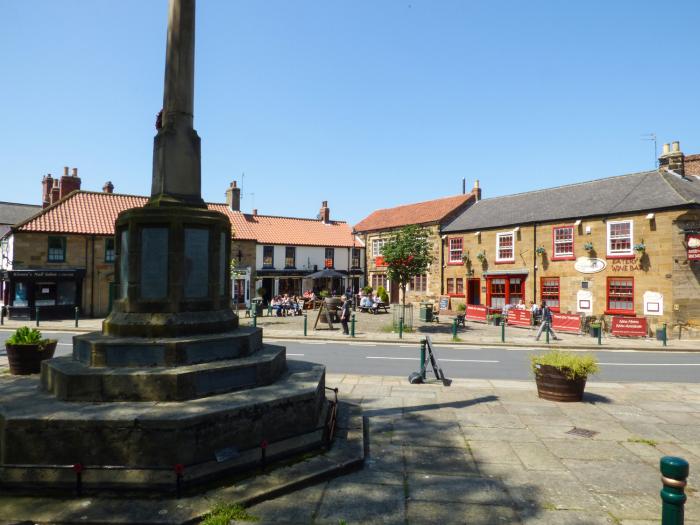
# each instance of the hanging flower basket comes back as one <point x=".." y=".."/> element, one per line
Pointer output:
<point x="588" y="246"/>
<point x="640" y="247"/>
<point x="540" y="250"/>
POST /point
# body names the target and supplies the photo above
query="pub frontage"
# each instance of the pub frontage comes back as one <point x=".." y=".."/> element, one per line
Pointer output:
<point x="620" y="250"/>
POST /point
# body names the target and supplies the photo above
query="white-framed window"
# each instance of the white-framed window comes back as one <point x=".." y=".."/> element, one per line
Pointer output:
<point x="620" y="238"/>
<point x="505" y="247"/>
<point x="377" y="245"/>
<point x="455" y="250"/>
<point x="563" y="237"/>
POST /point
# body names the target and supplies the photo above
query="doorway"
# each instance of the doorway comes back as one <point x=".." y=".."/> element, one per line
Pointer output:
<point x="473" y="291"/>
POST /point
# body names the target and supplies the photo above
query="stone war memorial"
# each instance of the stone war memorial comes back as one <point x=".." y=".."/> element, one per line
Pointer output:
<point x="171" y="386"/>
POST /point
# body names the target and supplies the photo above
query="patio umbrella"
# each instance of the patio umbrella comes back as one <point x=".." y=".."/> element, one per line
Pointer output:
<point x="326" y="273"/>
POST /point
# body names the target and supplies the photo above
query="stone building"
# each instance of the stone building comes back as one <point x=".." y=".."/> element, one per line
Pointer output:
<point x="378" y="227"/>
<point x="63" y="256"/>
<point x="625" y="246"/>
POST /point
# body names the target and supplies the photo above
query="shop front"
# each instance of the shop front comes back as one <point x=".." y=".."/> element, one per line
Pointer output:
<point x="505" y="288"/>
<point x="55" y="293"/>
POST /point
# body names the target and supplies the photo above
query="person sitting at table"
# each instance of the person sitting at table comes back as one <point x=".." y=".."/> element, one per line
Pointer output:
<point x="365" y="302"/>
<point x="376" y="301"/>
<point x="520" y="305"/>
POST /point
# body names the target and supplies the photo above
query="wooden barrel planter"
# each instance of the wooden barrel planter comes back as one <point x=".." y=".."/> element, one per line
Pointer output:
<point x="554" y="385"/>
<point x="26" y="359"/>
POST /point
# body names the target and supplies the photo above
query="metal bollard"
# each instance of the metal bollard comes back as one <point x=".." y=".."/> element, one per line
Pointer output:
<point x="305" y="321"/>
<point x="674" y="472"/>
<point x="546" y="332"/>
<point x="400" y="327"/>
<point x="454" y="328"/>
<point x="663" y="335"/>
<point x="352" y="326"/>
<point x="503" y="331"/>
<point x="77" y="315"/>
<point x="423" y="343"/>
<point x="255" y="319"/>
<point x="36" y="311"/>
<point x="600" y="335"/>
<point x="2" y="315"/>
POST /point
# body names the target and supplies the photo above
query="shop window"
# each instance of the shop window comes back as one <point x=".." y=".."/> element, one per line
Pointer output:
<point x="20" y="298"/>
<point x="330" y="258"/>
<point x="355" y="260"/>
<point x="57" y="249"/>
<point x="377" y="245"/>
<point x="563" y="240"/>
<point x="65" y="293"/>
<point x="455" y="251"/>
<point x="268" y="256"/>
<point x="378" y="279"/>
<point x="109" y="250"/>
<point x="505" y="249"/>
<point x="459" y="286"/>
<point x="620" y="239"/>
<point x="450" y="285"/>
<point x="498" y="293"/>
<point x="550" y="292"/>
<point x="419" y="283"/>
<point x="290" y="257"/>
<point x="621" y="295"/>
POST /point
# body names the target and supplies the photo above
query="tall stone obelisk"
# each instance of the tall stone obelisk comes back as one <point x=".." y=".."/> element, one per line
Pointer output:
<point x="176" y="149"/>
<point x="173" y="254"/>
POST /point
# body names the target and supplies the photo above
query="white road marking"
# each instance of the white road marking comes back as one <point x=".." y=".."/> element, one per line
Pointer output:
<point x="650" y="364"/>
<point x="446" y="360"/>
<point x="65" y="344"/>
<point x="295" y="355"/>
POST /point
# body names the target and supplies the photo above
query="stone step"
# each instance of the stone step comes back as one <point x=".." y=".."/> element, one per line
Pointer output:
<point x="71" y="380"/>
<point x="97" y="350"/>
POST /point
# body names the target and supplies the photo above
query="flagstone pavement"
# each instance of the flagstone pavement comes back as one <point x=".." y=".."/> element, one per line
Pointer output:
<point x="489" y="452"/>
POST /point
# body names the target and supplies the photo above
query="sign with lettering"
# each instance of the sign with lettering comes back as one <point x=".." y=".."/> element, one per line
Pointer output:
<point x="518" y="317"/>
<point x="566" y="322"/>
<point x="625" y="266"/>
<point x="444" y="303"/>
<point x="692" y="241"/>
<point x="629" y="326"/>
<point x="476" y="312"/>
<point x="653" y="303"/>
<point x="589" y="265"/>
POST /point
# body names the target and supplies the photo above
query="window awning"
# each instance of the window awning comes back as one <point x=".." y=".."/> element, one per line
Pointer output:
<point x="514" y="271"/>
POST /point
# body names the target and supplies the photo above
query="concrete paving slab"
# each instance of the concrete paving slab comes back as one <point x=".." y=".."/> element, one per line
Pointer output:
<point x="589" y="450"/>
<point x="536" y="456"/>
<point x="615" y="477"/>
<point x="460" y="489"/>
<point x="493" y="452"/>
<point x="420" y="512"/>
<point x="439" y="460"/>
<point x="379" y="503"/>
<point x="568" y="517"/>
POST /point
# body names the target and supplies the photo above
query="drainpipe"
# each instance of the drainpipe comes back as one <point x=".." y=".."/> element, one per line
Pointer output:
<point x="534" y="265"/>
<point x="92" y="280"/>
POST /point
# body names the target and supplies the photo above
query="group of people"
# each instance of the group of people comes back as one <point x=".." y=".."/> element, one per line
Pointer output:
<point x="369" y="302"/>
<point x="285" y="305"/>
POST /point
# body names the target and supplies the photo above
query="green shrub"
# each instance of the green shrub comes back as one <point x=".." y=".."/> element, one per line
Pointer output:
<point x="461" y="307"/>
<point x="323" y="294"/>
<point x="381" y="292"/>
<point x="368" y="290"/>
<point x="25" y="336"/>
<point x="572" y="365"/>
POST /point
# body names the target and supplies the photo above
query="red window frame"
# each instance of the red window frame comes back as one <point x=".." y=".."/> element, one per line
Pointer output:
<point x="610" y="283"/>
<point x="450" y="286"/>
<point x="459" y="286"/>
<point x="548" y="293"/>
<point x="499" y="236"/>
<point x="507" y="289"/>
<point x="458" y="249"/>
<point x="568" y="256"/>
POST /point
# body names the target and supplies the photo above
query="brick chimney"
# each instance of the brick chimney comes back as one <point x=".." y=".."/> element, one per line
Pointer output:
<point x="672" y="158"/>
<point x="108" y="187"/>
<point x="255" y="212"/>
<point x="69" y="183"/>
<point x="476" y="191"/>
<point x="233" y="197"/>
<point x="46" y="186"/>
<point x="325" y="213"/>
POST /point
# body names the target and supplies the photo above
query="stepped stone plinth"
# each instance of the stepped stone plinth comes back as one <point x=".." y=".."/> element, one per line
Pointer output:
<point x="172" y="379"/>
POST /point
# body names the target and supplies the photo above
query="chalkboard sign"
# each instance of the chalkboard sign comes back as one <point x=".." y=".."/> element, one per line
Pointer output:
<point x="444" y="303"/>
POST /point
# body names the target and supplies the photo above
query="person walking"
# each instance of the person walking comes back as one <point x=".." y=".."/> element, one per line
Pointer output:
<point x="345" y="314"/>
<point x="546" y="323"/>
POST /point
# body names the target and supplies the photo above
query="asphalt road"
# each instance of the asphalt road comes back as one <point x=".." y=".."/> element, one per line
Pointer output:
<point x="464" y="362"/>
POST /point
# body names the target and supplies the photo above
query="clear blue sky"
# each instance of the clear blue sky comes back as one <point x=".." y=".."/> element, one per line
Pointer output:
<point x="366" y="104"/>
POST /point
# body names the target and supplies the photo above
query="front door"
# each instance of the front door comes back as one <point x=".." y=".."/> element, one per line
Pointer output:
<point x="473" y="291"/>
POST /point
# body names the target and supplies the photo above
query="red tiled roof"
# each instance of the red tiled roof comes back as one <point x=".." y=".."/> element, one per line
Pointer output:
<point x="93" y="213"/>
<point x="418" y="213"/>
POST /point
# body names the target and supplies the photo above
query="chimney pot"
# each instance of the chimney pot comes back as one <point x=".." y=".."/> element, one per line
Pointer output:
<point x="75" y="172"/>
<point x="672" y="158"/>
<point x="675" y="146"/>
<point x="255" y="212"/>
<point x="108" y="187"/>
<point x="325" y="213"/>
<point x="233" y="197"/>
<point x="65" y="171"/>
<point x="666" y="149"/>
<point x="476" y="191"/>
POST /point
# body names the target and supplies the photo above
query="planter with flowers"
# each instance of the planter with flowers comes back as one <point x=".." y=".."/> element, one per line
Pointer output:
<point x="26" y="349"/>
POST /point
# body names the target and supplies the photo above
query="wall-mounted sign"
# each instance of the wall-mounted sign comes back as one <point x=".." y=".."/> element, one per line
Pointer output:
<point x="518" y="317"/>
<point x="692" y="241"/>
<point x="653" y="303"/>
<point x="589" y="265"/>
<point x="584" y="301"/>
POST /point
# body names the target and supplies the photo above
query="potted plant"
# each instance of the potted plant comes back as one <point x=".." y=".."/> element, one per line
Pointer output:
<point x="588" y="247"/>
<point x="561" y="376"/>
<point x="540" y="250"/>
<point x="495" y="319"/>
<point x="383" y="295"/>
<point x="481" y="256"/>
<point x="595" y="328"/>
<point x="26" y="349"/>
<point x="461" y="308"/>
<point x="258" y="301"/>
<point x="640" y="247"/>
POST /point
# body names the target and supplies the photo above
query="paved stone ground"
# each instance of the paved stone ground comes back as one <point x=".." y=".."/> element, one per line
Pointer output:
<point x="378" y="328"/>
<point x="489" y="452"/>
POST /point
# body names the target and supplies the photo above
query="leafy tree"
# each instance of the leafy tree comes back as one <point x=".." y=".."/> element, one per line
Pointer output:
<point x="408" y="253"/>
